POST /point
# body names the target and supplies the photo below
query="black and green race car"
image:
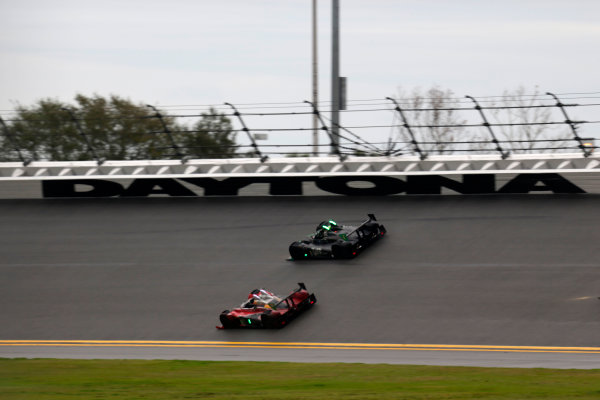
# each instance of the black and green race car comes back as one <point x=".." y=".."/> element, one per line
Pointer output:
<point x="332" y="240"/>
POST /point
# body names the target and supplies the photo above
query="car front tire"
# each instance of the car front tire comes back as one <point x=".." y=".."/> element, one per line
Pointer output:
<point x="226" y="322"/>
<point x="298" y="251"/>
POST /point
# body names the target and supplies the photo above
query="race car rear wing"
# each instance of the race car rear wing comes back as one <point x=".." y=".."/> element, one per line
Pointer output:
<point x="301" y="286"/>
<point x="371" y="218"/>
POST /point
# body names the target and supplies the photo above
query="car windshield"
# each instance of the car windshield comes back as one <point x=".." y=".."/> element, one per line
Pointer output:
<point x="330" y="225"/>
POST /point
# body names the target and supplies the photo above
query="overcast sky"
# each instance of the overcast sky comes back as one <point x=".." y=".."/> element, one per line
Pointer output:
<point x="253" y="51"/>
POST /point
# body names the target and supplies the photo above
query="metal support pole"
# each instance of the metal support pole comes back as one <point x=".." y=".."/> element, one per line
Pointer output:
<point x="166" y="130"/>
<point x="262" y="157"/>
<point x="315" y="78"/>
<point x="422" y="155"/>
<point x="503" y="154"/>
<point x="88" y="142"/>
<point x="13" y="142"/>
<point x="572" y="124"/>
<point x="335" y="76"/>
<point x="317" y="115"/>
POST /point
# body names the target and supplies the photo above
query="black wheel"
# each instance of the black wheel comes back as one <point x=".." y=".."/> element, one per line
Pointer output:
<point x="269" y="321"/>
<point x="226" y="322"/>
<point x="298" y="251"/>
<point x="343" y="250"/>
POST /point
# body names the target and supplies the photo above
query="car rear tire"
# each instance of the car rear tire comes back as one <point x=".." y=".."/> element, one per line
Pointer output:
<point x="268" y="321"/>
<point x="343" y="250"/>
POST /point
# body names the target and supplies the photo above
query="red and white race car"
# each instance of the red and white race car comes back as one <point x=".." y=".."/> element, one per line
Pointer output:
<point x="264" y="309"/>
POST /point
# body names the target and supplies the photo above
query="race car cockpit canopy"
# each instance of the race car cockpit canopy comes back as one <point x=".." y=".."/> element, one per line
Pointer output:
<point x="329" y="225"/>
<point x="264" y="299"/>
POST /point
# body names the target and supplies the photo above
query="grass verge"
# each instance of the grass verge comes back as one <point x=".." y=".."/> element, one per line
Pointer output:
<point x="42" y="379"/>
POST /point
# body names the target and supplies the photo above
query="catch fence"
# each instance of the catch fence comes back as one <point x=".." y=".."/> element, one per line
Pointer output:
<point x="376" y="127"/>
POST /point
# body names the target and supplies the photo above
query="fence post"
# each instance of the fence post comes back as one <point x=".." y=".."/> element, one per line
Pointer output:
<point x="334" y="146"/>
<point x="13" y="142"/>
<point x="572" y="124"/>
<point x="422" y="155"/>
<point x="81" y="132"/>
<point x="503" y="154"/>
<point x="183" y="158"/>
<point x="263" y="158"/>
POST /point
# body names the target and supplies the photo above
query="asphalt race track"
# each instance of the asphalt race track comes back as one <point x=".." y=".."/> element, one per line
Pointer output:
<point x="458" y="280"/>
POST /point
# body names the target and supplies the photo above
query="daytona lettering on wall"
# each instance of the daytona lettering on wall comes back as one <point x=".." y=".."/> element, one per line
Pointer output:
<point x="342" y="185"/>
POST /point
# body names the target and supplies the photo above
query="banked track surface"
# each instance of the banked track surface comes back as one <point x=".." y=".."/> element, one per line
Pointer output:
<point x="504" y="281"/>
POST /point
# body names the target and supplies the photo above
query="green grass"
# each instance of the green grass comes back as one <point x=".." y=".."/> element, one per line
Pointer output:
<point x="41" y="379"/>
